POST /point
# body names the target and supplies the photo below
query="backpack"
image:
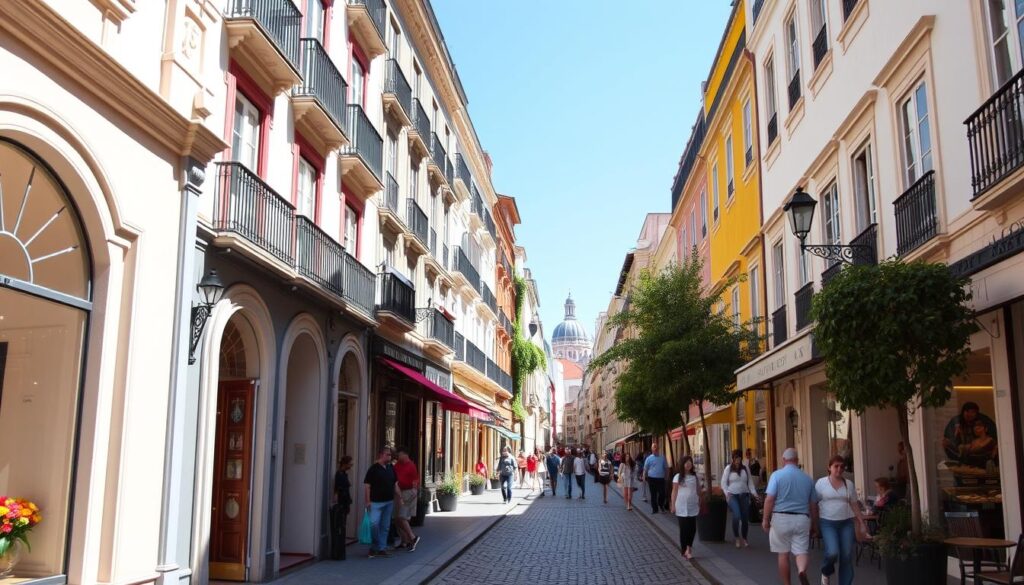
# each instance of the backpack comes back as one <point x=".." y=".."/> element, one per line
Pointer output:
<point x="506" y="466"/>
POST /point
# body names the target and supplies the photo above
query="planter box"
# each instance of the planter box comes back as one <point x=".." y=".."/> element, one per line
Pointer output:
<point x="711" y="525"/>
<point x="476" y="490"/>
<point x="927" y="567"/>
<point x="495" y="484"/>
<point x="447" y="503"/>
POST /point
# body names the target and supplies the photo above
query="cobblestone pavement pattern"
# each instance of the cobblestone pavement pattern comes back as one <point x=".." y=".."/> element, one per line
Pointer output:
<point x="570" y="542"/>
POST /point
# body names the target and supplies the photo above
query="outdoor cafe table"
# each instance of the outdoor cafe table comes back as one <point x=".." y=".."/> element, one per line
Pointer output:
<point x="977" y="545"/>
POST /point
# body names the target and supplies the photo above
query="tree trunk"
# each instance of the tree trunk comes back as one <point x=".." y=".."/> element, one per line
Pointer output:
<point x="912" y="492"/>
<point x="671" y="452"/>
<point x="707" y="451"/>
<point x="687" y="448"/>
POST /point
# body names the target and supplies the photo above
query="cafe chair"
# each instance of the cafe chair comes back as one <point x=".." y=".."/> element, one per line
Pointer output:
<point x="1014" y="576"/>
<point x="969" y="524"/>
<point x="869" y="546"/>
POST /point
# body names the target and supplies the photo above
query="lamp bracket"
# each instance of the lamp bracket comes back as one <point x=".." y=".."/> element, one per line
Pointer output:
<point x="200" y="314"/>
<point x="848" y="254"/>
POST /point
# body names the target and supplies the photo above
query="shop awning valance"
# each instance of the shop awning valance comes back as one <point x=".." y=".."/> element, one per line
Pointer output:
<point x="722" y="416"/>
<point x="447" y="399"/>
<point x="621" y="440"/>
<point x="505" y="432"/>
<point x="482" y="406"/>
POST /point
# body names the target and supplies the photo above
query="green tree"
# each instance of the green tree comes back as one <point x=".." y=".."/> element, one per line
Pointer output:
<point x="684" y="350"/>
<point x="894" y="336"/>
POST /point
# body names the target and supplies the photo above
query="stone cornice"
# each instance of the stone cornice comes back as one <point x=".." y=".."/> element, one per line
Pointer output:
<point x="36" y="24"/>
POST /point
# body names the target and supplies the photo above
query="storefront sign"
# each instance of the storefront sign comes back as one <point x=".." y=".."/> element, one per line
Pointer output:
<point x="438" y="376"/>
<point x="390" y="350"/>
<point x="1009" y="242"/>
<point x="778" y="363"/>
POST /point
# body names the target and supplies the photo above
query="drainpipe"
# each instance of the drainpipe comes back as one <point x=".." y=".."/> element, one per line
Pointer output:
<point x="168" y="556"/>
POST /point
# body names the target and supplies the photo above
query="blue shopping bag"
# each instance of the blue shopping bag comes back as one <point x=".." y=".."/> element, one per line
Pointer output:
<point x="366" y="530"/>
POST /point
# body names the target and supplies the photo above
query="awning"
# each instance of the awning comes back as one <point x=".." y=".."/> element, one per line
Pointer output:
<point x="621" y="440"/>
<point x="478" y="402"/>
<point x="505" y="432"/>
<point x="677" y="433"/>
<point x="722" y="416"/>
<point x="449" y="400"/>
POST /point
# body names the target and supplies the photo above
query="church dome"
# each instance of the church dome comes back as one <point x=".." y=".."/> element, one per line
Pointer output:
<point x="570" y="331"/>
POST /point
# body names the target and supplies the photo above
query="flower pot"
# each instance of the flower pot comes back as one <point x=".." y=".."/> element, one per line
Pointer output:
<point x="711" y="523"/>
<point x="927" y="566"/>
<point x="448" y="503"/>
<point x="422" y="509"/>
<point x="10" y="559"/>
<point x="495" y="484"/>
<point x="476" y="489"/>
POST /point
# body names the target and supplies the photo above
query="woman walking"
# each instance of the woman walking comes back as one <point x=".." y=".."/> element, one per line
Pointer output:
<point x="521" y="463"/>
<point x="838" y="512"/>
<point x="685" y="504"/>
<point x="604" y="474"/>
<point x="738" y="485"/>
<point x="534" y="470"/>
<point x="627" y="480"/>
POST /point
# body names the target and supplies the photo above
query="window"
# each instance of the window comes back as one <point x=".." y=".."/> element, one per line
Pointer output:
<point x="394" y="41"/>
<point x="916" y="134"/>
<point x="730" y="171"/>
<point x="864" y="188"/>
<point x="703" y="212"/>
<point x="803" y="266"/>
<point x="305" y="199"/>
<point x="314" y="20"/>
<point x="714" y="191"/>
<point x="245" y="136"/>
<point x="736" y="307"/>
<point x="793" y="60"/>
<point x="358" y="84"/>
<point x="684" y="252"/>
<point x="414" y="180"/>
<point x="771" y="108"/>
<point x="755" y="293"/>
<point x="389" y="253"/>
<point x="351" y="242"/>
<point x="693" y="229"/>
<point x="748" y="140"/>
<point x="417" y="80"/>
<point x="830" y="215"/>
<point x="1005" y="29"/>
<point x="819" y="30"/>
<point x="392" y="155"/>
<point x="779" y="275"/>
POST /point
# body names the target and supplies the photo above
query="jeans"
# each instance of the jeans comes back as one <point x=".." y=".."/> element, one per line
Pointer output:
<point x="380" y="518"/>
<point x="739" y="507"/>
<point x="657" y="493"/>
<point x="687" y="530"/>
<point x="506" y="487"/>
<point x="568" y="484"/>
<point x="581" y="480"/>
<point x="553" y="478"/>
<point x="838" y="538"/>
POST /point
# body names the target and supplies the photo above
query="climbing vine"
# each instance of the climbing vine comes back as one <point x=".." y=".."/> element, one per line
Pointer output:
<point x="527" y="358"/>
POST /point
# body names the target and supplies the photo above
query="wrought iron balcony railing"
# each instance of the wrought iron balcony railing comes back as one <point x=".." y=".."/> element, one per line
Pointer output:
<point x="794" y="89"/>
<point x="466" y="268"/>
<point x="378" y="13"/>
<point x="995" y="133"/>
<point x="249" y="207"/>
<point x="462" y="170"/>
<point x="437" y="326"/>
<point x="869" y="238"/>
<point x="397" y="296"/>
<point x="488" y="297"/>
<point x="420" y="121"/>
<point x="444" y="257"/>
<point x="820" y="46"/>
<point x="802" y="303"/>
<point x="396" y="84"/>
<point x="391" y="194"/>
<point x="437" y="152"/>
<point x="773" y="128"/>
<point x="319" y="257"/>
<point x="364" y="140"/>
<point x="460" y="347"/>
<point x="433" y="243"/>
<point x="830" y="272"/>
<point x="322" y="80"/>
<point x="779" y="326"/>
<point x="489" y="224"/>
<point x="758" y="4"/>
<point x="417" y="221"/>
<point x="475" y="357"/>
<point x="359" y="284"/>
<point x="281" y="19"/>
<point x="916" y="219"/>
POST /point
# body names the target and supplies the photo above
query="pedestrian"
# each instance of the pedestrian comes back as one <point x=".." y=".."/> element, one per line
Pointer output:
<point x="409" y="486"/>
<point x="531" y="469"/>
<point x="521" y="465"/>
<point x="580" y="471"/>
<point x="568" y="465"/>
<point x="685" y="504"/>
<point x="481" y="467"/>
<point x="790" y="515"/>
<point x="341" y="508"/>
<point x="553" y="461"/>
<point x="506" y="468"/>
<point x="604" y="474"/>
<point x="641" y="458"/>
<point x="627" y="480"/>
<point x="655" y="470"/>
<point x="380" y="490"/>
<point x="592" y="464"/>
<point x="840" y="521"/>
<point x="738" y="485"/>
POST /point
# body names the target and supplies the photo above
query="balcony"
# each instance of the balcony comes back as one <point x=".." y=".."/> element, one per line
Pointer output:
<point x="794" y="90"/>
<point x="390" y="213"/>
<point x="848" y="6"/>
<point x="318" y="257"/>
<point x="419" y="132"/>
<point x="489" y="224"/>
<point x="362" y="160"/>
<point x="462" y="267"/>
<point x="416" y="220"/>
<point x="779" y="326"/>
<point x="366" y="20"/>
<point x="318" y="102"/>
<point x="438" y="157"/>
<point x="476" y="208"/>
<point x="820" y="45"/>
<point x="360" y="284"/>
<point x="460" y="348"/>
<point x="449" y="171"/>
<point x="245" y="206"/>
<point x="995" y="133"/>
<point x="263" y="37"/>
<point x="868" y="238"/>
<point x="505" y="322"/>
<point x="476" y="358"/>
<point x="830" y="272"/>
<point x="433" y="261"/>
<point x="463" y="178"/>
<point x="802" y="301"/>
<point x="916" y="219"/>
<point x="499" y="376"/>
<point x="488" y="299"/>
<point x="397" y="300"/>
<point x="438" y="332"/>
<point x="773" y="128"/>
<point x="397" y="94"/>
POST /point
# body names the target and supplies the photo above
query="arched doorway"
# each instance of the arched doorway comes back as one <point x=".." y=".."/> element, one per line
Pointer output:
<point x="346" y="428"/>
<point x="45" y="306"/>
<point x="299" y="529"/>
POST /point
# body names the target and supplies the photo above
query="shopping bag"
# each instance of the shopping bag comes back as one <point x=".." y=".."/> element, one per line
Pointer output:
<point x="366" y="530"/>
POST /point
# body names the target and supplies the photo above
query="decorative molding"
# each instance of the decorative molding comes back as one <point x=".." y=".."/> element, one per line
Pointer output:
<point x="905" y="51"/>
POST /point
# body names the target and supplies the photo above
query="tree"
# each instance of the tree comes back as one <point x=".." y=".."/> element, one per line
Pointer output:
<point x="527" y="358"/>
<point x="894" y="336"/>
<point x="684" y="350"/>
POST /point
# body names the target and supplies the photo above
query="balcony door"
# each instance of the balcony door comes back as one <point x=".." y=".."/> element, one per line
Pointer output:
<point x="864" y="188"/>
<point x="915" y="129"/>
<point x="314" y="20"/>
<point x="229" y="533"/>
<point x="305" y="195"/>
<point x="245" y="134"/>
<point x="1005" y="30"/>
<point x="358" y="86"/>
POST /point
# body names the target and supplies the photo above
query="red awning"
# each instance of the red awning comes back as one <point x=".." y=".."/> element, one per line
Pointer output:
<point x="677" y="433"/>
<point x="449" y="400"/>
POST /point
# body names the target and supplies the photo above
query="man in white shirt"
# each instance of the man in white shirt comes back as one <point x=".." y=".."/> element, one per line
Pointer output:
<point x="580" y="471"/>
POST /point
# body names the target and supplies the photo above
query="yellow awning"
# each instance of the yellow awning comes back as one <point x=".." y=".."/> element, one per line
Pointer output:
<point x="722" y="416"/>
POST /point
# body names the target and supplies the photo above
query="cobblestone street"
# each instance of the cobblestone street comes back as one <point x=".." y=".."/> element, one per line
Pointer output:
<point x="556" y="540"/>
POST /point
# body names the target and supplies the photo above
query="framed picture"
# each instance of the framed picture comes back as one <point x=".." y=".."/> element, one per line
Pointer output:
<point x="235" y="441"/>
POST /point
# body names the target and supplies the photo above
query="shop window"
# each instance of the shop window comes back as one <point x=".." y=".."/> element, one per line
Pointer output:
<point x="840" y="432"/>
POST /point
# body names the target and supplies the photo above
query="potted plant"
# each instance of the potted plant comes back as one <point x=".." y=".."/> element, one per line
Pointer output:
<point x="495" y="481"/>
<point x="448" y="492"/>
<point x="476" y="484"/>
<point x="17" y="518"/>
<point x="910" y="557"/>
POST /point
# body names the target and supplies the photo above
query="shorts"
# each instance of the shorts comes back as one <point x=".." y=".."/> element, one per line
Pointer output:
<point x="407" y="506"/>
<point x="790" y="533"/>
<point x="604" y="479"/>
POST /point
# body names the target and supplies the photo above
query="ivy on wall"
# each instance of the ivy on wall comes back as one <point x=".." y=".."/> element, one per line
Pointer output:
<point x="527" y="357"/>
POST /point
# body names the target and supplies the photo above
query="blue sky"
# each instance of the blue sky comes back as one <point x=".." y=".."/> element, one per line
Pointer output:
<point x="585" y="107"/>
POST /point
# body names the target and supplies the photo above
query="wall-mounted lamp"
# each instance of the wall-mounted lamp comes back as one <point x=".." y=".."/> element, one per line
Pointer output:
<point x="212" y="290"/>
<point x="800" y="208"/>
<point x="534" y="326"/>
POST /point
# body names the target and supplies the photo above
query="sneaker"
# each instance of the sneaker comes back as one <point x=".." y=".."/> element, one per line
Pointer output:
<point x="412" y="547"/>
<point x="384" y="554"/>
<point x="374" y="554"/>
<point x="738" y="545"/>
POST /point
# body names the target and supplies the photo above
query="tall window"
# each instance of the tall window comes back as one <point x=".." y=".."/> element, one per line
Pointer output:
<point x="770" y="104"/>
<point x="864" y="188"/>
<point x="414" y="180"/>
<point x="703" y="212"/>
<point x="793" y="59"/>
<point x="351" y="229"/>
<point x="417" y="80"/>
<point x="748" y="138"/>
<point x="358" y="84"/>
<point x="830" y="215"/>
<point x="714" y="191"/>
<point x="394" y="41"/>
<point x="730" y="168"/>
<point x="736" y="307"/>
<point x="1005" y="29"/>
<point x="245" y="136"/>
<point x="693" y="229"/>
<point x="916" y="133"/>
<point x="779" y="275"/>
<point x="755" y="293"/>
<point x="305" y="201"/>
<point x="392" y="155"/>
<point x="818" y="13"/>
<point x="314" y="20"/>
<point x="803" y="266"/>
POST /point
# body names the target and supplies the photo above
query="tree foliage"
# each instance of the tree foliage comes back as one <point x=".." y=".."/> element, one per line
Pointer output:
<point x="527" y="357"/>
<point x="894" y="336"/>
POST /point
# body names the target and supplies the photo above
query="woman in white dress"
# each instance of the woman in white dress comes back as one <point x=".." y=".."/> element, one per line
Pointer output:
<point x="627" y="480"/>
<point x="685" y="504"/>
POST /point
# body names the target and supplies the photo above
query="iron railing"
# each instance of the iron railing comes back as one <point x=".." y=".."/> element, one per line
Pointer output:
<point x="488" y="297"/>
<point x="504" y="322"/>
<point x="794" y="89"/>
<point x="869" y="239"/>
<point x="378" y="13"/>
<point x="995" y="133"/>
<point x="420" y="121"/>
<point x="475" y="357"/>
<point x="281" y="19"/>
<point x="466" y="268"/>
<point x="364" y="140"/>
<point x="462" y="170"/>
<point x="499" y="376"/>
<point x="916" y="219"/>
<point x="758" y="4"/>
<point x="830" y="272"/>
<point x="318" y="256"/>
<point x="802" y="302"/>
<point x="748" y="155"/>
<point x="417" y="221"/>
<point x="249" y="207"/>
<point x="322" y="80"/>
<point x="820" y="46"/>
<point x="476" y="204"/>
<point x="460" y="347"/>
<point x="848" y="6"/>
<point x="438" y="326"/>
<point x="449" y="171"/>
<point x="773" y="127"/>
<point x="396" y="84"/>
<point x="433" y="243"/>
<point x="437" y="152"/>
<point x="397" y="296"/>
<point x="489" y="224"/>
<point x="359" y="284"/>
<point x="391" y="194"/>
<point x="779" y="327"/>
<point x="444" y="257"/>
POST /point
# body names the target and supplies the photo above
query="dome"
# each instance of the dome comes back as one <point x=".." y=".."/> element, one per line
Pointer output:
<point x="570" y="331"/>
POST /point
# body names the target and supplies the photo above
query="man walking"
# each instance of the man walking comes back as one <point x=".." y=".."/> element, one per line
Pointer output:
<point x="380" y="487"/>
<point x="567" y="469"/>
<point x="655" y="469"/>
<point x="409" y="486"/>
<point x="790" y="515"/>
<point x="553" y="461"/>
<point x="506" y="468"/>
<point x="579" y="468"/>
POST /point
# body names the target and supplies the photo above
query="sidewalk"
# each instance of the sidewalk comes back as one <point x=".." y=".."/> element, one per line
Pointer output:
<point x="445" y="535"/>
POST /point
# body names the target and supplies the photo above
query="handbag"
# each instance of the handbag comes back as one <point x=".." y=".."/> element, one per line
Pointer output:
<point x="366" y="530"/>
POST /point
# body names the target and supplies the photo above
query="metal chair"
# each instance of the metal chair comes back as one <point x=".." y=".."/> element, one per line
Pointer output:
<point x="869" y="545"/>
<point x="1013" y="576"/>
<point x="969" y="524"/>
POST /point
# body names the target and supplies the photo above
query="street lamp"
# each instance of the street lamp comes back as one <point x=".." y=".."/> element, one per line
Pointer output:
<point x="211" y="289"/>
<point x="800" y="208"/>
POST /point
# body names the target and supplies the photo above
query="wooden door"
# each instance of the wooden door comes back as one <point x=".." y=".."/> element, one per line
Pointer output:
<point x="229" y="531"/>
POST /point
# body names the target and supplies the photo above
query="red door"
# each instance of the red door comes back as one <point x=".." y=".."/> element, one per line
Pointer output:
<point x="229" y="532"/>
